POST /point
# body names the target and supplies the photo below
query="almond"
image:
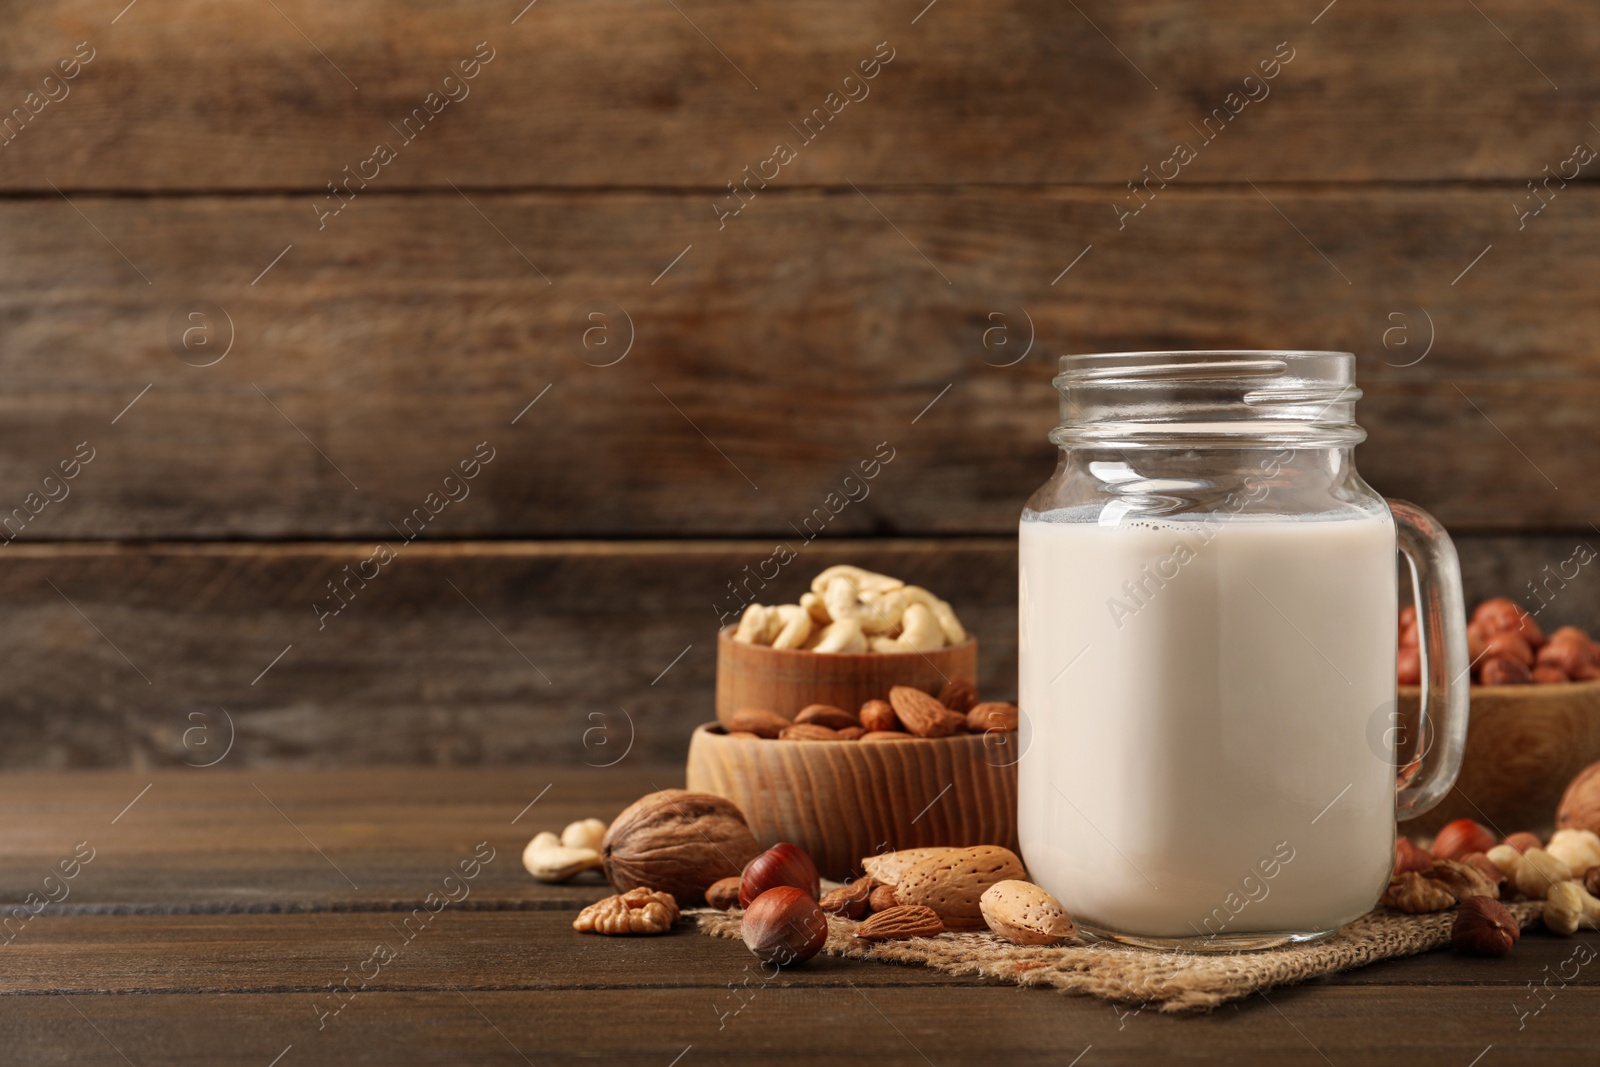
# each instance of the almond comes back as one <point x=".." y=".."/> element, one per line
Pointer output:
<point x="887" y="735"/>
<point x="900" y="923"/>
<point x="958" y="694"/>
<point x="953" y="884"/>
<point x="1024" y="914"/>
<point x="851" y="733"/>
<point x="724" y="893"/>
<point x="992" y="716"/>
<point x="848" y="900"/>
<point x="805" y="731"/>
<point x="758" y="721"/>
<point x="923" y="715"/>
<point x="886" y="867"/>
<point x="878" y="715"/>
<point x="826" y="715"/>
<point x="882" y="898"/>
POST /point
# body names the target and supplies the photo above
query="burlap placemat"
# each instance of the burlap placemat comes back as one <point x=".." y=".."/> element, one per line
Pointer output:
<point x="1168" y="981"/>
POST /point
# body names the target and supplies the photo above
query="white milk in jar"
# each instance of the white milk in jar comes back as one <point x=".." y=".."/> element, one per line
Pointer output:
<point x="1198" y="698"/>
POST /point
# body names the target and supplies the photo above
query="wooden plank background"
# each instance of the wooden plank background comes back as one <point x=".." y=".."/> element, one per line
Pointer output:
<point x="266" y="393"/>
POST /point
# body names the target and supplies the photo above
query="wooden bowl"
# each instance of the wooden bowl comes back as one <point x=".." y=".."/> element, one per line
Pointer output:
<point x="1524" y="744"/>
<point x="842" y="800"/>
<point x="786" y="680"/>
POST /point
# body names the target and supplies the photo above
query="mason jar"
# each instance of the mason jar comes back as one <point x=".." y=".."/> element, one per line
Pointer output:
<point x="1210" y="753"/>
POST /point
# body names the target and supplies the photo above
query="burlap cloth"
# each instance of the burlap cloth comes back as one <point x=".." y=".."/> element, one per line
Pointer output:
<point x="1169" y="981"/>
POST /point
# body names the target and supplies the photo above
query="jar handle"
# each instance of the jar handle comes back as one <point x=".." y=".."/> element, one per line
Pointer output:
<point x="1427" y="766"/>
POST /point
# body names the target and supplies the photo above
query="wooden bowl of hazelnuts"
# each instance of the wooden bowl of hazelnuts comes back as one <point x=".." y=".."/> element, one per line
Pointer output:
<point x="1535" y="718"/>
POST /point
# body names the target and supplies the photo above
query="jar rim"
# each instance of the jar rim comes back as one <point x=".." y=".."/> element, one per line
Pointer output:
<point x="1198" y="364"/>
<point x="1194" y="396"/>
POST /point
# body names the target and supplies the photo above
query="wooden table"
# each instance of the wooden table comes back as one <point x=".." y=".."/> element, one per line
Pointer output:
<point x="220" y="908"/>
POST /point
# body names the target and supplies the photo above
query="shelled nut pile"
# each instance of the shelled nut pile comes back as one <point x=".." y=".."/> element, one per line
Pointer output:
<point x="908" y="713"/>
<point x="849" y="609"/>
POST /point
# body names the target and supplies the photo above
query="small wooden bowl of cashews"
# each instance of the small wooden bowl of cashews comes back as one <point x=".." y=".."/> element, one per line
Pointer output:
<point x="854" y="635"/>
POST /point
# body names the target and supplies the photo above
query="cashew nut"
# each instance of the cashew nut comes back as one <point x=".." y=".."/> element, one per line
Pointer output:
<point x="587" y="833"/>
<point x="818" y="610"/>
<point x="550" y="861"/>
<point x="919" y="632"/>
<point x="1578" y="849"/>
<point x="1569" y="907"/>
<point x="843" y="635"/>
<point x="758" y="625"/>
<point x="862" y="580"/>
<point x="954" y="633"/>
<point x="842" y="600"/>
<point x="796" y="622"/>
<point x="880" y="612"/>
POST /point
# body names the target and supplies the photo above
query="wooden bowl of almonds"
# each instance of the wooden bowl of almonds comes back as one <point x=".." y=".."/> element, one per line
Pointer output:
<point x="926" y="774"/>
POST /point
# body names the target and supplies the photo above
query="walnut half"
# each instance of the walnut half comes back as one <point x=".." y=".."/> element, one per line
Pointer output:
<point x="638" y="911"/>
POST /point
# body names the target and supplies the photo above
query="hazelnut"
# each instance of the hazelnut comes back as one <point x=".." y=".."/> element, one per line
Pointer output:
<point x="784" y="926"/>
<point x="1477" y="637"/>
<point x="1408" y="666"/>
<point x="1501" y="615"/>
<point x="1569" y="657"/>
<point x="1408" y="857"/>
<point x="781" y="865"/>
<point x="1483" y="927"/>
<point x="1509" y="645"/>
<point x="1458" y="838"/>
<point x="1500" y="670"/>
<point x="1580" y="804"/>
<point x="1591" y="880"/>
<point x="1522" y="841"/>
<point x="724" y="893"/>
<point x="1568" y="635"/>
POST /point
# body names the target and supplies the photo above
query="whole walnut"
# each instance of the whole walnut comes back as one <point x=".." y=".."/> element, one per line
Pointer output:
<point x="677" y="842"/>
<point x="1580" y="804"/>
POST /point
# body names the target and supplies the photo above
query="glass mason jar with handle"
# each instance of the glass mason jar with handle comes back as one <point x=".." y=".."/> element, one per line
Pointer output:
<point x="1211" y="755"/>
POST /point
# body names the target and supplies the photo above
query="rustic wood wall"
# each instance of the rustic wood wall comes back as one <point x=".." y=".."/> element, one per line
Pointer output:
<point x="260" y="292"/>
